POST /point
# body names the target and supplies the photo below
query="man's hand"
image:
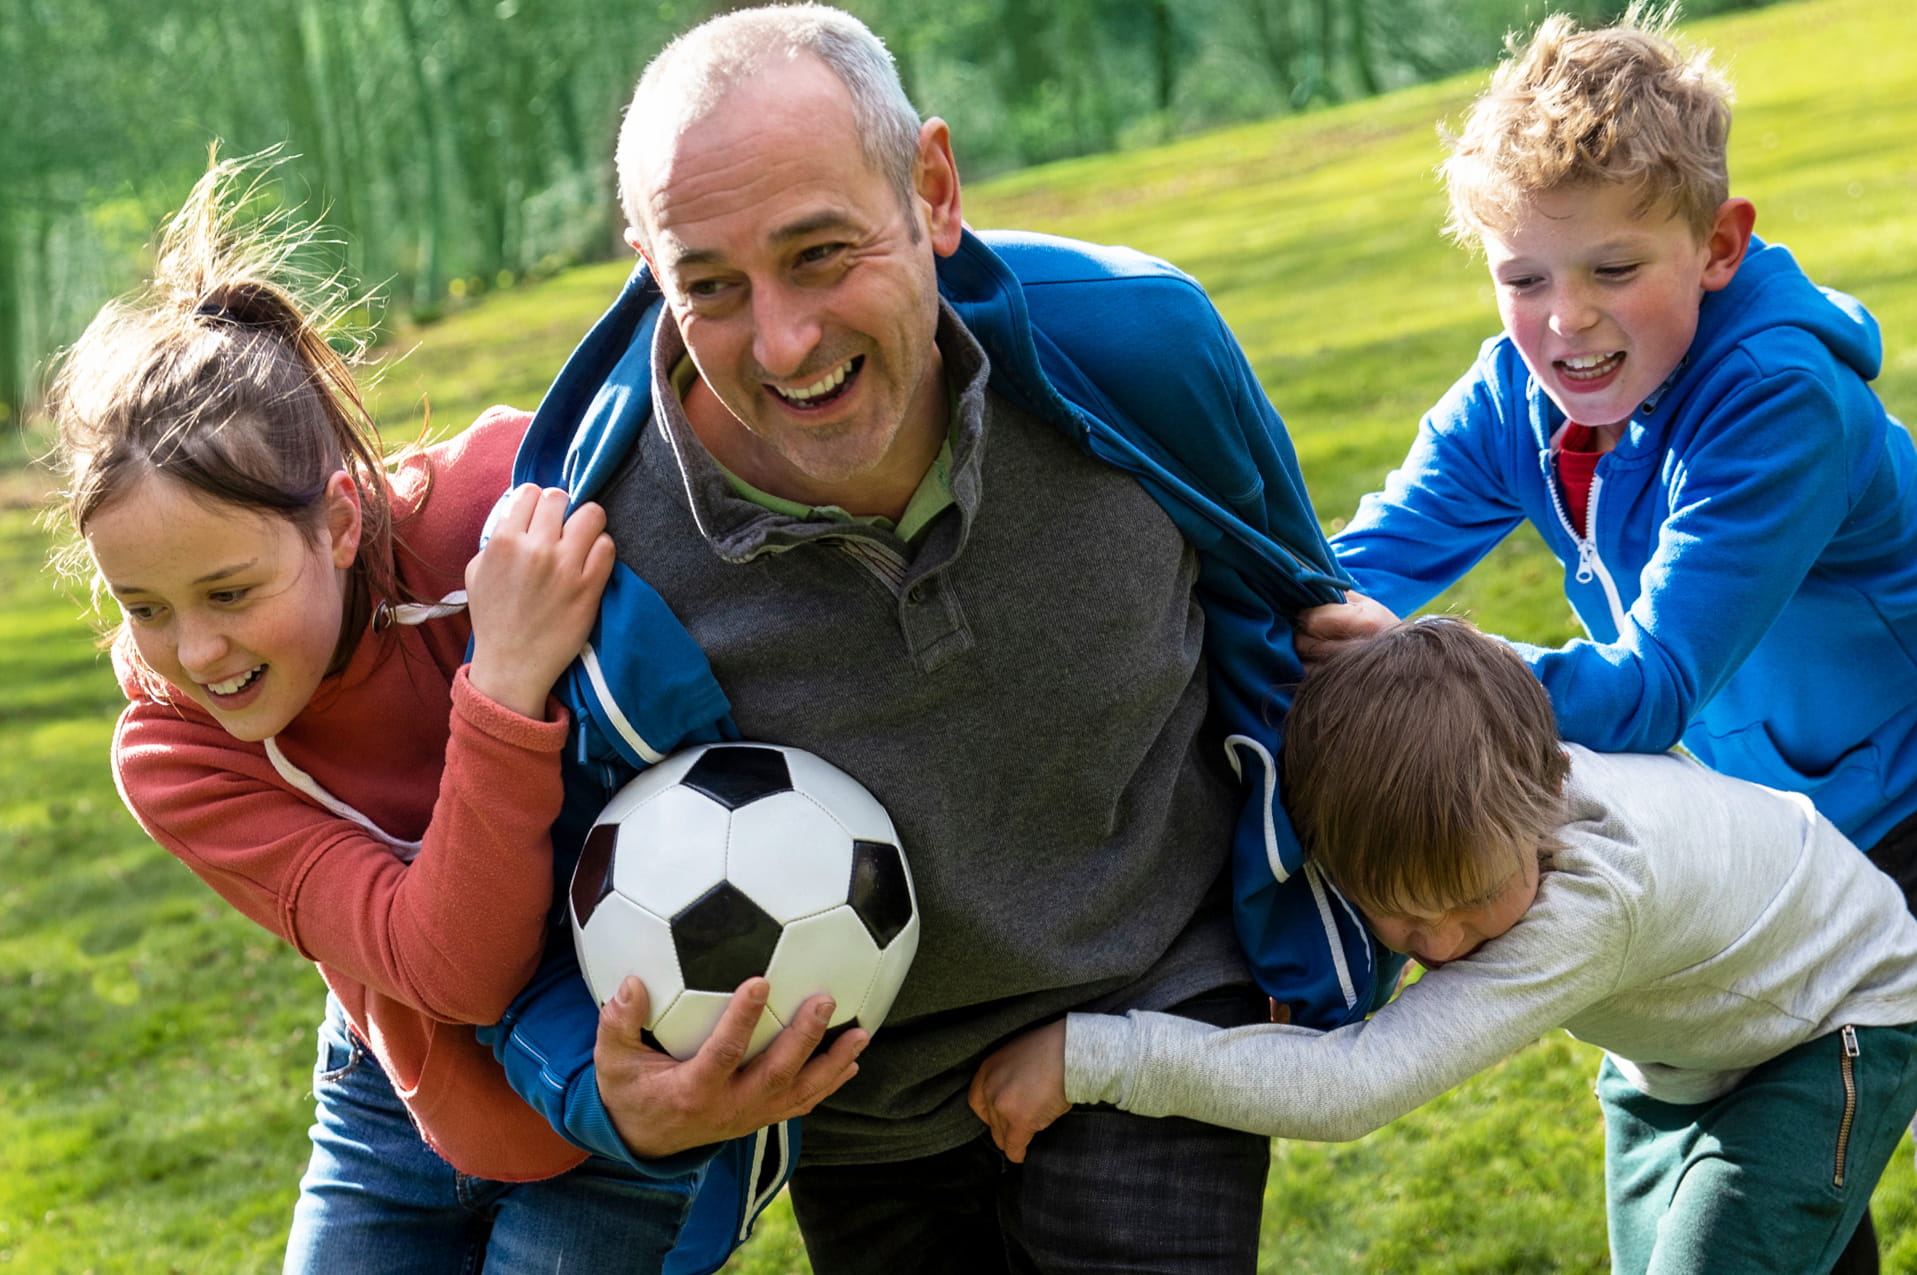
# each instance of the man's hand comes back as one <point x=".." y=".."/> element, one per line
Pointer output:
<point x="1320" y="631"/>
<point x="660" y="1105"/>
<point x="1020" y="1088"/>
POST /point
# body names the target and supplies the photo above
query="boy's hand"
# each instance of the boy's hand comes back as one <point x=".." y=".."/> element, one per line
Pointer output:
<point x="1020" y="1088"/>
<point x="660" y="1105"/>
<point x="532" y="594"/>
<point x="1322" y="630"/>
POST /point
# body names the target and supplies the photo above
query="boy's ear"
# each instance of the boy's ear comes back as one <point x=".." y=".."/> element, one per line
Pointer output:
<point x="1727" y="242"/>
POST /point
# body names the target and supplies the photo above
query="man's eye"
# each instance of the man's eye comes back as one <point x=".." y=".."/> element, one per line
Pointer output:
<point x="819" y="253"/>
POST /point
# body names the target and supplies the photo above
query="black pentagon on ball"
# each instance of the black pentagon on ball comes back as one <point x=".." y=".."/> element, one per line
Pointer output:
<point x="723" y="938"/>
<point x="879" y="892"/>
<point x="592" y="878"/>
<point x="735" y="775"/>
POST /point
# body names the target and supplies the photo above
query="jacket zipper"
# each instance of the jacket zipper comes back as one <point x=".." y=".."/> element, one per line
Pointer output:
<point x="1590" y="565"/>
<point x="1847" y="1065"/>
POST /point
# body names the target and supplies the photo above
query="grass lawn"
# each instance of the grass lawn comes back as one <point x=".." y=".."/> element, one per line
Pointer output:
<point x="153" y="1102"/>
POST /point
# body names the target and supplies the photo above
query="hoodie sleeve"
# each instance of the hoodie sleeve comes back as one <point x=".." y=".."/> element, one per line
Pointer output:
<point x="1451" y="500"/>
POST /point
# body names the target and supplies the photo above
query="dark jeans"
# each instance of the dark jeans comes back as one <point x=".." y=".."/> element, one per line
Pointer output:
<point x="1101" y="1190"/>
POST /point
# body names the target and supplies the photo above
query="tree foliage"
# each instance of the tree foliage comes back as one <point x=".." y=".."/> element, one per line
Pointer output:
<point x="462" y="144"/>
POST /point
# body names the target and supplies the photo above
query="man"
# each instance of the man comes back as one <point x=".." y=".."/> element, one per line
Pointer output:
<point x="931" y="512"/>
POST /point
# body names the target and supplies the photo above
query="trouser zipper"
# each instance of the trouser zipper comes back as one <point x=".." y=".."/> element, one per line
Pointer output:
<point x="1847" y="1064"/>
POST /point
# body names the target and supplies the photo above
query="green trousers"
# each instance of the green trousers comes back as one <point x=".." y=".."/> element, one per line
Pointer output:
<point x="1769" y="1179"/>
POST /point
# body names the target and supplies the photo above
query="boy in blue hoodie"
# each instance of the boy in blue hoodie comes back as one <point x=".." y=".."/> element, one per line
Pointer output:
<point x="1687" y="421"/>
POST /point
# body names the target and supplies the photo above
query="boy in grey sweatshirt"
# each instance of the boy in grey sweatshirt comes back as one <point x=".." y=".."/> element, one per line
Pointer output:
<point x="1751" y="977"/>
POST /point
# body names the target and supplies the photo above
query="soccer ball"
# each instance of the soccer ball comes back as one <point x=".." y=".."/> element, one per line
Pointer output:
<point x="727" y="861"/>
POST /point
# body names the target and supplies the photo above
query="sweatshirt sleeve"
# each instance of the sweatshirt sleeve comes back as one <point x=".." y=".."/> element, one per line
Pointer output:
<point x="1445" y="506"/>
<point x="1567" y="953"/>
<point x="453" y="934"/>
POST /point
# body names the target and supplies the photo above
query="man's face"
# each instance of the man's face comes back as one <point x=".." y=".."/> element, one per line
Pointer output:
<point x="1600" y="299"/>
<point x="804" y="288"/>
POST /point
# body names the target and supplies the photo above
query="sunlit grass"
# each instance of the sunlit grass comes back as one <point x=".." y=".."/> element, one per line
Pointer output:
<point x="154" y="1097"/>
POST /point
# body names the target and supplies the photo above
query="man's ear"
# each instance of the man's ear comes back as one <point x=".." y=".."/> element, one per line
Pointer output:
<point x="343" y="520"/>
<point x="636" y="240"/>
<point x="1727" y="242"/>
<point x="935" y="183"/>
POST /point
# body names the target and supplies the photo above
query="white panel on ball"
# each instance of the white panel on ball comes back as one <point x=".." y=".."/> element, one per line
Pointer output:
<point x="830" y="954"/>
<point x="623" y="938"/>
<point x="894" y="963"/>
<point x="789" y="855"/>
<point x="671" y="850"/>
<point x="844" y="796"/>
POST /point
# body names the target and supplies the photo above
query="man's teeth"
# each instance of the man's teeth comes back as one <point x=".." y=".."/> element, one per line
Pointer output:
<point x="233" y="685"/>
<point x="825" y="385"/>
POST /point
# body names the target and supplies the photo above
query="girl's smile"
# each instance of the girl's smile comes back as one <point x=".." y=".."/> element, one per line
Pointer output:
<point x="239" y="609"/>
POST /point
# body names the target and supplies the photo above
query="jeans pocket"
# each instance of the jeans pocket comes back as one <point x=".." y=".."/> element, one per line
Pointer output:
<point x="340" y="1053"/>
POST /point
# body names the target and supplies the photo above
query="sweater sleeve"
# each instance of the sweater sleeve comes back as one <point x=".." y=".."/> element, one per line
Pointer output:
<point x="1445" y="506"/>
<point x="454" y="934"/>
<point x="1568" y="952"/>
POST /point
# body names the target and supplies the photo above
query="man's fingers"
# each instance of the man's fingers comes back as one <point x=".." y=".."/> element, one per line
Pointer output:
<point x="724" y="1051"/>
<point x="623" y="1016"/>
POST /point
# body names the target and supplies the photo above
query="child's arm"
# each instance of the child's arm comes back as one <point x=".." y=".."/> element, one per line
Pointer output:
<point x="1566" y="954"/>
<point x="1448" y="503"/>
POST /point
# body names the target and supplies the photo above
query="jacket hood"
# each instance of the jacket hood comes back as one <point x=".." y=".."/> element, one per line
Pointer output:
<point x="1769" y="292"/>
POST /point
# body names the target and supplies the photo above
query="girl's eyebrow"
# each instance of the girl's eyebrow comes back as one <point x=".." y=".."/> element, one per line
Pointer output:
<point x="220" y="573"/>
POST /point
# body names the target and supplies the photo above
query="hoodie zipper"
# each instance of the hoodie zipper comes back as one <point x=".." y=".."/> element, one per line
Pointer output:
<point x="1589" y="566"/>
<point x="1846" y="1063"/>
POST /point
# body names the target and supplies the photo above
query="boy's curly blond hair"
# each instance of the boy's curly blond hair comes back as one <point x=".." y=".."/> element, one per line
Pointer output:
<point x="1622" y="105"/>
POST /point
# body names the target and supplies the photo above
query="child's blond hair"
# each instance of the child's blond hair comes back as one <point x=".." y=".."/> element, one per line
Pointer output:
<point x="1422" y="767"/>
<point x="1620" y="105"/>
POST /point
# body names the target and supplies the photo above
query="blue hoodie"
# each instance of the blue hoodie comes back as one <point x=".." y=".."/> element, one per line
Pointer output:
<point x="1129" y="359"/>
<point x="1748" y="572"/>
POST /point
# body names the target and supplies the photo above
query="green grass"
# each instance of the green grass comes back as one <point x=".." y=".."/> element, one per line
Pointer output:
<point x="154" y="1095"/>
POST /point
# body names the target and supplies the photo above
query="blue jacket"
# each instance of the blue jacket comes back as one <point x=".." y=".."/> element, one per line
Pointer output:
<point x="1748" y="574"/>
<point x="1128" y="357"/>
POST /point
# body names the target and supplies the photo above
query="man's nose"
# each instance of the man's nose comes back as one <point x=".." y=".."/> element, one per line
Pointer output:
<point x="785" y="329"/>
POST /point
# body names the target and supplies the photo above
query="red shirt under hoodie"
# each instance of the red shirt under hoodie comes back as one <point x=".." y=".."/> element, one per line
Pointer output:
<point x="413" y="951"/>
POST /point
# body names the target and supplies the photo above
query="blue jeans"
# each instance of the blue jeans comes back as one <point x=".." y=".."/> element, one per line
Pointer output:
<point x="1101" y="1190"/>
<point x="376" y="1198"/>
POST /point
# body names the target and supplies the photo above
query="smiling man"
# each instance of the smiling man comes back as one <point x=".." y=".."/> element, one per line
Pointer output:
<point x="1004" y="527"/>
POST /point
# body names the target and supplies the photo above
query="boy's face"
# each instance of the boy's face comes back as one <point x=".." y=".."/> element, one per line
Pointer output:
<point x="1602" y="300"/>
<point x="1435" y="938"/>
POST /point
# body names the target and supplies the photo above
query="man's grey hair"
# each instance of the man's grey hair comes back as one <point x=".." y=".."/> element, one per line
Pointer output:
<point x="691" y="75"/>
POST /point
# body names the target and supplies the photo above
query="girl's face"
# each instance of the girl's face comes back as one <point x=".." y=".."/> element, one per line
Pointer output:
<point x="239" y="609"/>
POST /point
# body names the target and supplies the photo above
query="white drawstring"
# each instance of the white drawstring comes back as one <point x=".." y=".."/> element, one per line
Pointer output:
<point x="384" y="616"/>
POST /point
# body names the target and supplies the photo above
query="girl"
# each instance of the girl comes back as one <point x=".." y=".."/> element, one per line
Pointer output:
<point x="306" y="733"/>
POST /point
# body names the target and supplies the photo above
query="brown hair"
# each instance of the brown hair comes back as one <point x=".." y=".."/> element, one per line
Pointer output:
<point x="1422" y="766"/>
<point x="219" y="375"/>
<point x="1621" y="105"/>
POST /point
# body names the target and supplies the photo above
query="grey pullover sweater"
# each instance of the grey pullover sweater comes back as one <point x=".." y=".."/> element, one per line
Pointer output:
<point x="1022" y="687"/>
<point x="1694" y="927"/>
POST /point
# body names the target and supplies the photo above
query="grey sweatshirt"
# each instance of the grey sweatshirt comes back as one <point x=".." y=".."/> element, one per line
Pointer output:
<point x="1694" y="927"/>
